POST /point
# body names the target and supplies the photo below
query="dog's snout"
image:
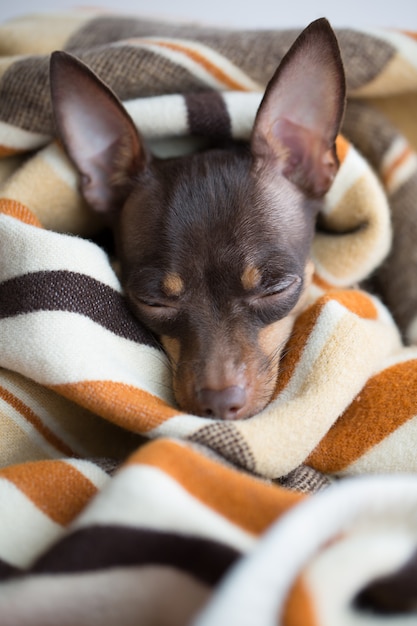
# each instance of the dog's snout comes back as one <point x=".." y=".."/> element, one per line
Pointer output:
<point x="222" y="403"/>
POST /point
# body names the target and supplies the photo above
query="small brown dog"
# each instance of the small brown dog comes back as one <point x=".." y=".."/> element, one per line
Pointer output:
<point x="214" y="247"/>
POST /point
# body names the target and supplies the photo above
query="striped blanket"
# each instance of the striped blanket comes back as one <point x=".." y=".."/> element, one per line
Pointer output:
<point x="116" y="507"/>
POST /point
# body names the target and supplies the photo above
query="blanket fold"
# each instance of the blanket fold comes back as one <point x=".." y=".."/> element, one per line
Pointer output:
<point x="85" y="390"/>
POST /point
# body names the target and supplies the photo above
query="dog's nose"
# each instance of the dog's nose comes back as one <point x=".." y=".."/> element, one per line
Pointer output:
<point x="222" y="403"/>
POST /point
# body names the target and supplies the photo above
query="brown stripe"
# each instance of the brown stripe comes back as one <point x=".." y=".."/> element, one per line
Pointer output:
<point x="386" y="402"/>
<point x="207" y="115"/>
<point x="129" y="407"/>
<point x="103" y="547"/>
<point x="36" y="422"/>
<point x="74" y="293"/>
<point x="221" y="488"/>
<point x="56" y="488"/>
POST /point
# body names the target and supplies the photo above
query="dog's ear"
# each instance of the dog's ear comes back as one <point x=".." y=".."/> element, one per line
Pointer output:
<point x="97" y="132"/>
<point x="302" y="110"/>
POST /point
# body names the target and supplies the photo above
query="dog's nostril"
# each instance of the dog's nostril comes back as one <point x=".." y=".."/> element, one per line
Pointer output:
<point x="222" y="403"/>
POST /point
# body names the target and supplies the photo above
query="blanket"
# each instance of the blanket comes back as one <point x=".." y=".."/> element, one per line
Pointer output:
<point x="115" y="506"/>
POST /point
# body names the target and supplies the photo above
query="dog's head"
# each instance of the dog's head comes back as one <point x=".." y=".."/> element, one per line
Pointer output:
<point x="214" y="247"/>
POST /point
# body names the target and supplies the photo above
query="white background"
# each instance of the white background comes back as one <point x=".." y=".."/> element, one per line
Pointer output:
<point x="243" y="13"/>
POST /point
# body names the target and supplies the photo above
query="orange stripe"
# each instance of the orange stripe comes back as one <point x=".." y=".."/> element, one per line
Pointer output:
<point x="127" y="406"/>
<point x="303" y="328"/>
<point x="197" y="57"/>
<point x="387" y="401"/>
<point x="299" y="608"/>
<point x="356" y="301"/>
<point x="321" y="283"/>
<point x="389" y="173"/>
<point x="342" y="147"/>
<point x="19" y="211"/>
<point x="6" y="151"/>
<point x="409" y="33"/>
<point x="56" y="488"/>
<point x="247" y="502"/>
<point x="36" y="422"/>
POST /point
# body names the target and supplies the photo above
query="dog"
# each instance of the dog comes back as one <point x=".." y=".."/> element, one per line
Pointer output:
<point x="214" y="246"/>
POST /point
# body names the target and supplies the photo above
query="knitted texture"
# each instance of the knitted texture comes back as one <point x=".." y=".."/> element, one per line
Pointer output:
<point x="84" y="387"/>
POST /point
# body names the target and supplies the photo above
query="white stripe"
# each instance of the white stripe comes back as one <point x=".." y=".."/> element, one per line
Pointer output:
<point x="20" y="139"/>
<point x="166" y="116"/>
<point x="397" y="147"/>
<point x="144" y="496"/>
<point x="161" y="116"/>
<point x="402" y="173"/>
<point x="57" y="347"/>
<point x="333" y="587"/>
<point x="25" y="532"/>
<point x="31" y="249"/>
<point x="259" y="584"/>
<point x="181" y="426"/>
<point x="242" y="108"/>
<point x="91" y="471"/>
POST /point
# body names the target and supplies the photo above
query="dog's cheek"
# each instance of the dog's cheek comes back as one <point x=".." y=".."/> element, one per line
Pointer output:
<point x="273" y="337"/>
<point x="182" y="380"/>
<point x="173" y="348"/>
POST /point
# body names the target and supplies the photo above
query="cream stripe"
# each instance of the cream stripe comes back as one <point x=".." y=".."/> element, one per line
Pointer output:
<point x="157" y="501"/>
<point x="30" y="249"/>
<point x="392" y="454"/>
<point x="326" y="327"/>
<point x="25" y="532"/>
<point x="69" y="348"/>
<point x="358" y="252"/>
<point x="47" y="405"/>
<point x="351" y="169"/>
<point x="36" y="438"/>
<point x="395" y="175"/>
<point x="20" y="139"/>
<point x="57" y="160"/>
<point x="219" y="62"/>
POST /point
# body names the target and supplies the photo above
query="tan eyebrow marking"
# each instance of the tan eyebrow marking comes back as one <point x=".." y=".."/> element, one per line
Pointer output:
<point x="251" y="277"/>
<point x="172" y="284"/>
